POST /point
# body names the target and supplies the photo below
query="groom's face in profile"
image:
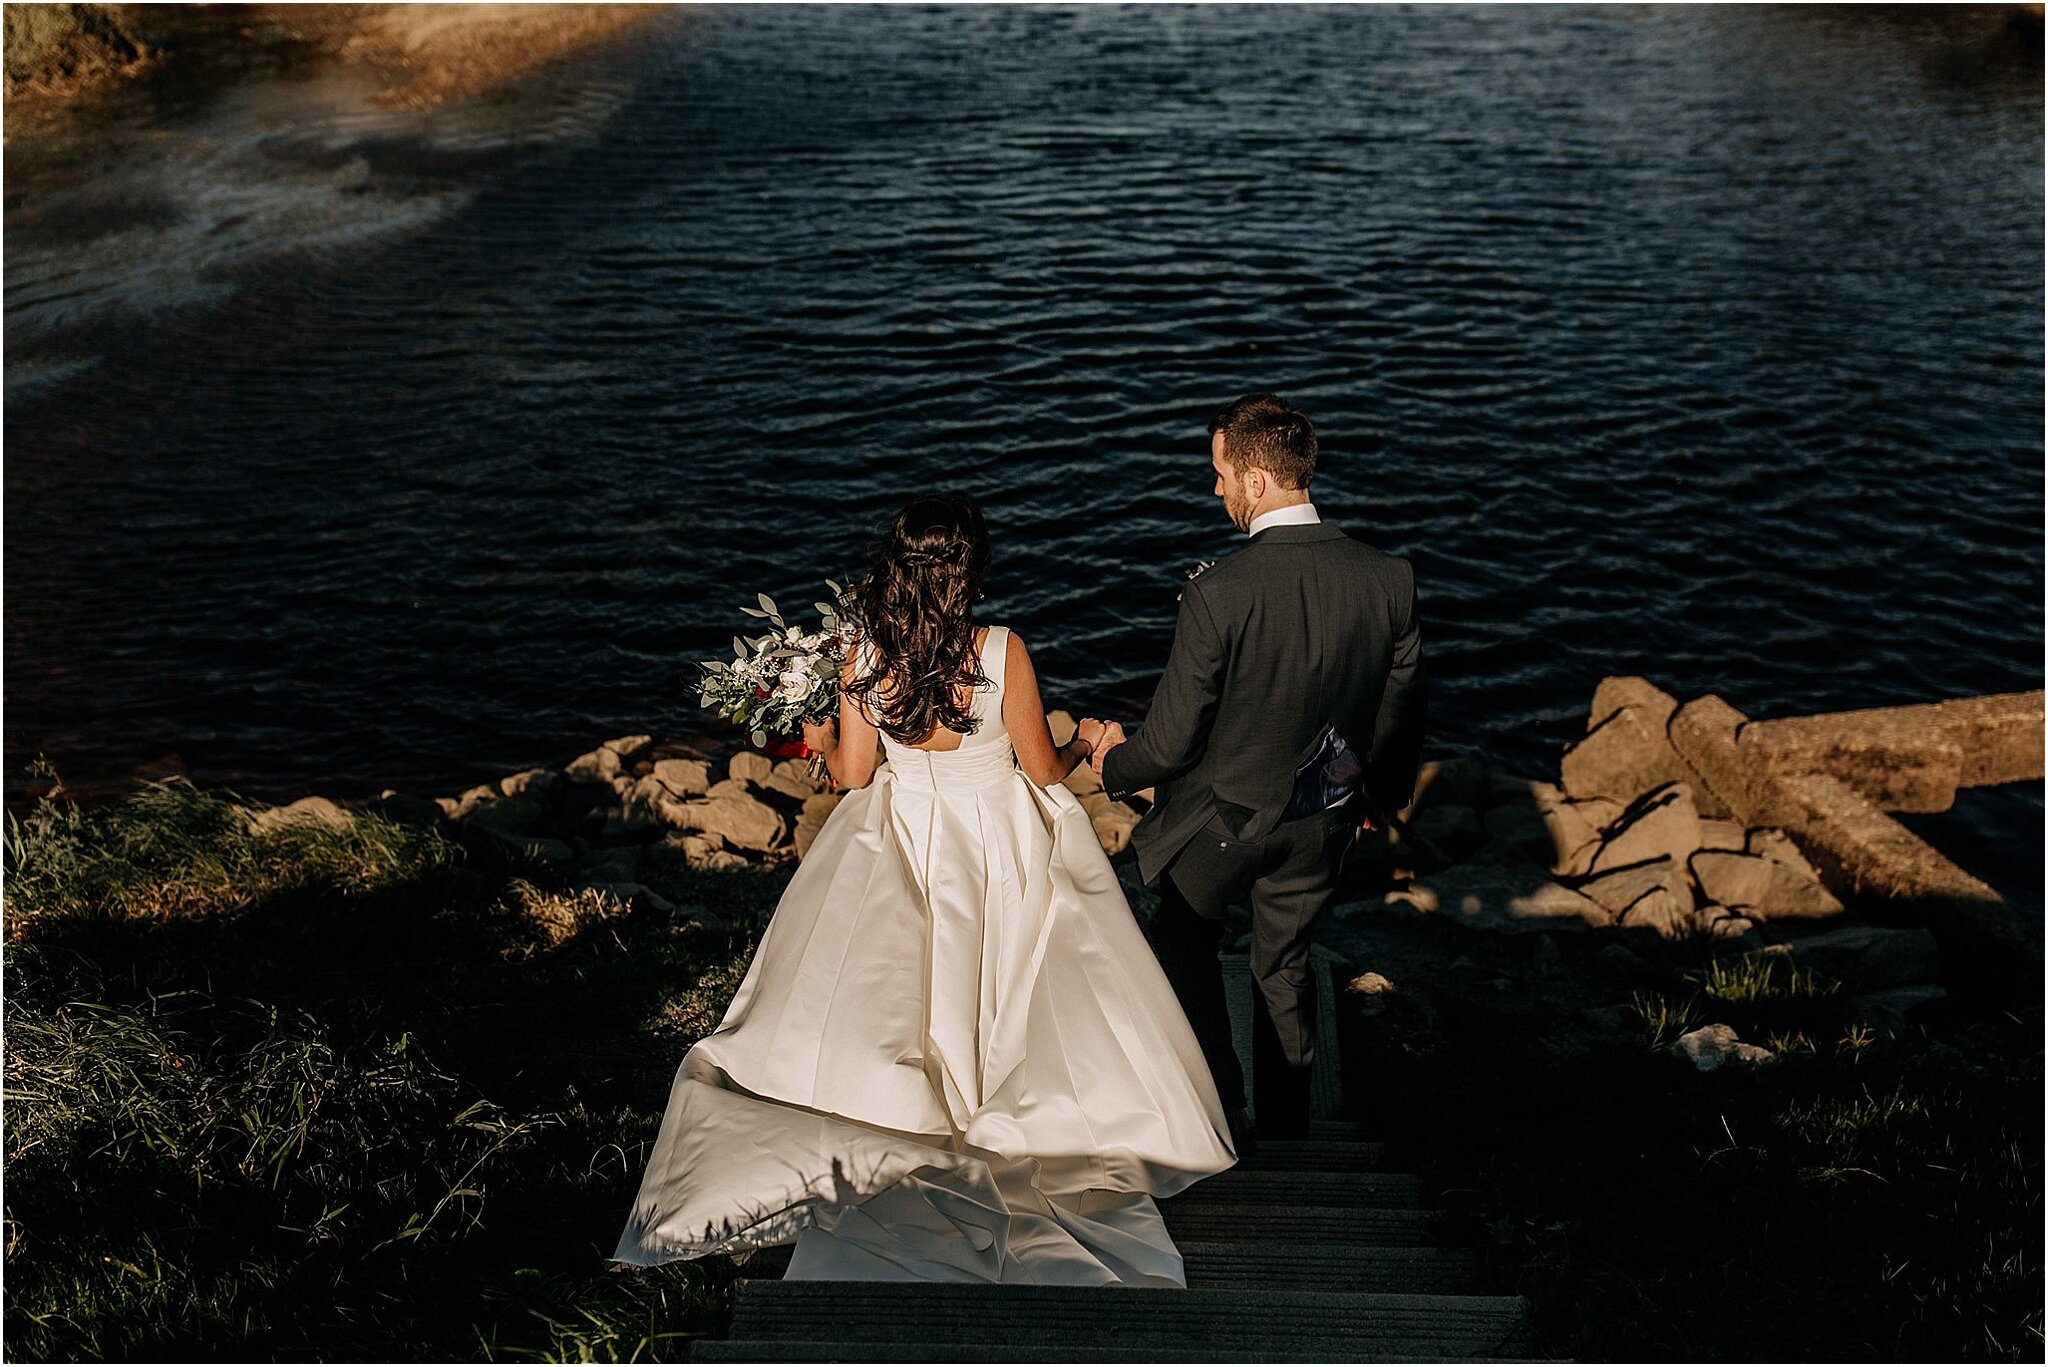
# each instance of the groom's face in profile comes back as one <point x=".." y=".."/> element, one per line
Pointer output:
<point x="1238" y="501"/>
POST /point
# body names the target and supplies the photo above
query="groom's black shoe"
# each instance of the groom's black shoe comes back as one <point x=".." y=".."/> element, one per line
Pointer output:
<point x="1243" y="1134"/>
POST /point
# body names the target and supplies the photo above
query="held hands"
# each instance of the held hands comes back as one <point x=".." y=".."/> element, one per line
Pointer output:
<point x="1105" y="738"/>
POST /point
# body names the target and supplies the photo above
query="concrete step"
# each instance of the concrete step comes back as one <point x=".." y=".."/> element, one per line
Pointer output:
<point x="1260" y="1186"/>
<point x="1248" y="1264"/>
<point x="1318" y="1155"/>
<point x="1192" y="1218"/>
<point x="776" y="1350"/>
<point x="1095" y="1318"/>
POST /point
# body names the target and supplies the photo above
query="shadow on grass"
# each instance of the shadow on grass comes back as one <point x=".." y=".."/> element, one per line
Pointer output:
<point x="339" y="1092"/>
<point x="1869" y="1195"/>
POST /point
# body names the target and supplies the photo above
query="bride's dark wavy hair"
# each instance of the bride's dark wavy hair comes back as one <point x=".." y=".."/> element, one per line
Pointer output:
<point x="916" y="605"/>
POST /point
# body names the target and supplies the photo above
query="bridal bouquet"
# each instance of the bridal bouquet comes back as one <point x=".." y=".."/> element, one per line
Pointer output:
<point x="776" y="682"/>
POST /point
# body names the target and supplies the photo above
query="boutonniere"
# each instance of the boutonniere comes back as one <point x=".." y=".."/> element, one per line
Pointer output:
<point x="1201" y="566"/>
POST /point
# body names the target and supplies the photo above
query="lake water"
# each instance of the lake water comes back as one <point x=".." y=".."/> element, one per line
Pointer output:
<point x="348" y="450"/>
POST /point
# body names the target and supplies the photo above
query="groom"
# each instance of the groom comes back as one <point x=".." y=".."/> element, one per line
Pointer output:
<point x="1290" y="711"/>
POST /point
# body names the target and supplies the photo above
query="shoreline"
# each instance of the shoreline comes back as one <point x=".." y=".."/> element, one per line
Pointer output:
<point x="73" y="57"/>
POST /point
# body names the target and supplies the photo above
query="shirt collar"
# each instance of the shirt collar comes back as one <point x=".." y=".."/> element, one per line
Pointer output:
<point x="1293" y="515"/>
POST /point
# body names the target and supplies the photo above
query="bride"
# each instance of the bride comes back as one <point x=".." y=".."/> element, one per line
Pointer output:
<point x="953" y="1057"/>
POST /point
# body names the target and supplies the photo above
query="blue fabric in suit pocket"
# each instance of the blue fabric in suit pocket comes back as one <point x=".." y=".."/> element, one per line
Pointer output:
<point x="1333" y="774"/>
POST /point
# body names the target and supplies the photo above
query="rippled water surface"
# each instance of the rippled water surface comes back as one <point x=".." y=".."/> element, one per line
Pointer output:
<point x="349" y="450"/>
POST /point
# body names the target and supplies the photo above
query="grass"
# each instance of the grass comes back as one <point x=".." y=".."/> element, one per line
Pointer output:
<point x="1868" y="1196"/>
<point x="324" y="1092"/>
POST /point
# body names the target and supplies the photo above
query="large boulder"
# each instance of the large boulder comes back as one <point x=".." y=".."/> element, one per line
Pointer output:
<point x="1494" y="898"/>
<point x="1623" y="888"/>
<point x="1625" y="754"/>
<point x="1661" y="823"/>
<point x="1576" y="830"/>
<point x="1760" y="888"/>
<point x="684" y="777"/>
<point x="811" y="820"/>
<point x="1723" y="835"/>
<point x="595" y="766"/>
<point x="1517" y="833"/>
<point x="750" y="765"/>
<point x="741" y="821"/>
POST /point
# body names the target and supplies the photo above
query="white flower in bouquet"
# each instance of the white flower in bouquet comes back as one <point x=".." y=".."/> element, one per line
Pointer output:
<point x="1196" y="572"/>
<point x="776" y="682"/>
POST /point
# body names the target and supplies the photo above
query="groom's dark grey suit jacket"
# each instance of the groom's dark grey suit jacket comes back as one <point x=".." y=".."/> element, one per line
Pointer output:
<point x="1299" y="628"/>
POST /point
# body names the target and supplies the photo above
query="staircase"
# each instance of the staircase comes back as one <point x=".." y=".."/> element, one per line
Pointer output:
<point x="1313" y="1250"/>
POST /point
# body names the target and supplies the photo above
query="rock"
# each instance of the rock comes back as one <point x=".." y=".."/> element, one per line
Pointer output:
<point x="1661" y="911"/>
<point x="743" y="822"/>
<point x="524" y="814"/>
<point x="1084" y="780"/>
<point x="1548" y="958"/>
<point x="1452" y="828"/>
<point x="749" y="765"/>
<point x="1518" y="833"/>
<point x="1626" y="754"/>
<point x="735" y="786"/>
<point x="1761" y="888"/>
<point x="532" y="848"/>
<point x="1494" y="898"/>
<point x="1710" y="1046"/>
<point x="1771" y="843"/>
<point x="409" y="808"/>
<point x="636" y="895"/>
<point x="1113" y="822"/>
<point x="1575" y="828"/>
<point x="1867" y="957"/>
<point x="543" y="785"/>
<point x="1619" y="889"/>
<point x="1457" y="782"/>
<point x="627" y="825"/>
<point x="317" y="809"/>
<point x="701" y="853"/>
<point x="1506" y="788"/>
<point x="1663" y="822"/>
<point x="1062" y="725"/>
<point x="1724" y="924"/>
<point x="629" y="748"/>
<point x="1621" y="959"/>
<point x="1723" y="835"/>
<point x="817" y="808"/>
<point x="1370" y="984"/>
<point x="1895" y="1008"/>
<point x="684" y="777"/>
<point x="620" y="865"/>
<point x="600" y="765"/>
<point x="793" y="777"/>
<point x="584" y="808"/>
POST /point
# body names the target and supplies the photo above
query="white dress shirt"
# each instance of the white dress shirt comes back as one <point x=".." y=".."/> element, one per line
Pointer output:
<point x="1293" y="515"/>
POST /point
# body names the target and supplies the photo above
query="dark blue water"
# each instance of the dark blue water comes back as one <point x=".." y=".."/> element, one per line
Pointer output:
<point x="1703" y="343"/>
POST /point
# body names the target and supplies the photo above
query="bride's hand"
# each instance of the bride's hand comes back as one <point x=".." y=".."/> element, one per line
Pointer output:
<point x="821" y="737"/>
<point x="1090" y="730"/>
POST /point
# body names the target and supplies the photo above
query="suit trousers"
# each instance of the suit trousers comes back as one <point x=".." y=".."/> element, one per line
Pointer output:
<point x="1290" y="875"/>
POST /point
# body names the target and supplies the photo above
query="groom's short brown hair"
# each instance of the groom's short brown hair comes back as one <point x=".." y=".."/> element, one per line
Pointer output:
<point x="1263" y="432"/>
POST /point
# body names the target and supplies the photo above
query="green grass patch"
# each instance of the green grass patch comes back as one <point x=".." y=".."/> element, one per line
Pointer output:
<point x="337" y="1092"/>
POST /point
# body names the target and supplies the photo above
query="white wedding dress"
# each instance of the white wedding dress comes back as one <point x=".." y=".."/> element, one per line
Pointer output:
<point x="953" y="1057"/>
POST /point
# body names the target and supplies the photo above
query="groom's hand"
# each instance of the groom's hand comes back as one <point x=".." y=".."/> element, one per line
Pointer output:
<point x="1112" y="736"/>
